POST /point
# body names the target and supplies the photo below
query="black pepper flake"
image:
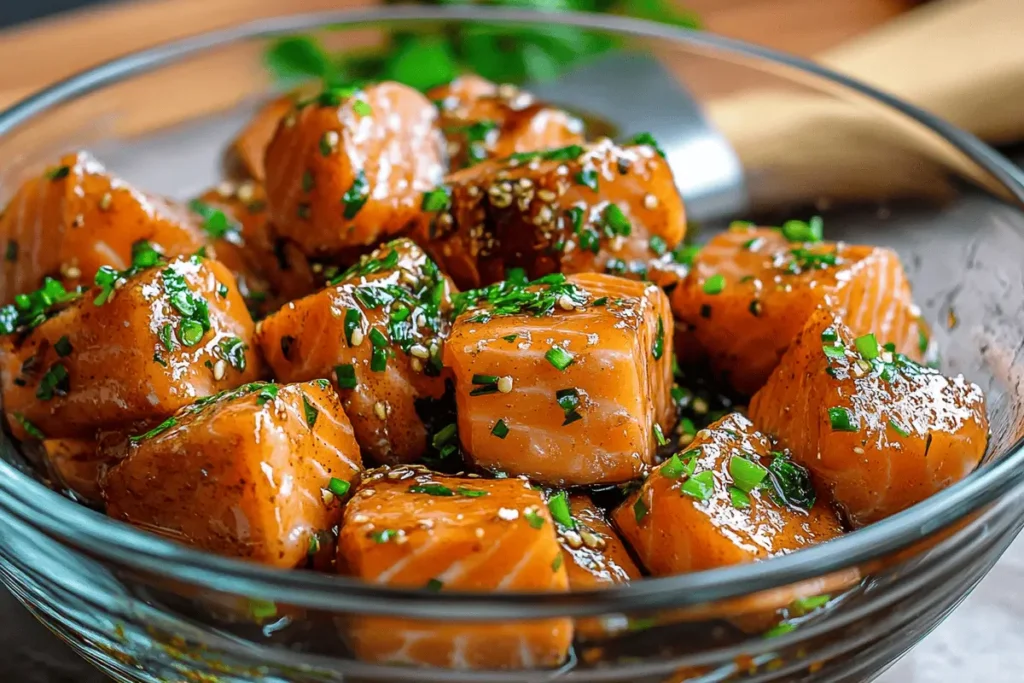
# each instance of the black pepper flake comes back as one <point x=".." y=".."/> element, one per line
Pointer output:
<point x="755" y="307"/>
<point x="12" y="251"/>
<point x="705" y="310"/>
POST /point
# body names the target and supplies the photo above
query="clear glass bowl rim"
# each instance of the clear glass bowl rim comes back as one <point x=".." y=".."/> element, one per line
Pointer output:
<point x="105" y="539"/>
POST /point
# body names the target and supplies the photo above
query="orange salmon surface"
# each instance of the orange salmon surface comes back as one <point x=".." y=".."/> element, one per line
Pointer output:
<point x="255" y="473"/>
<point x="879" y="431"/>
<point x="752" y="289"/>
<point x="566" y="380"/>
<point x="413" y="528"/>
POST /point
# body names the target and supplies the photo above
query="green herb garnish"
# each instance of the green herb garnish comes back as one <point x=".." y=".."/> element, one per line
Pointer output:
<point x="558" y="506"/>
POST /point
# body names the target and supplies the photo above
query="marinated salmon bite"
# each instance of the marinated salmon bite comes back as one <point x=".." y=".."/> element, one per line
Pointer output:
<point x="483" y="120"/>
<point x="574" y="419"/>
<point x="376" y="332"/>
<point x="414" y="528"/>
<point x="136" y="347"/>
<point x="877" y="430"/>
<point x="564" y="380"/>
<point x="76" y="218"/>
<point x="582" y="208"/>
<point x="267" y="465"/>
<point x="594" y="556"/>
<point x="731" y="497"/>
<point x="348" y="168"/>
<point x="751" y="290"/>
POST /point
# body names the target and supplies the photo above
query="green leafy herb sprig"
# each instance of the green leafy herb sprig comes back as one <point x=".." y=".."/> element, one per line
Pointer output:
<point x="501" y="53"/>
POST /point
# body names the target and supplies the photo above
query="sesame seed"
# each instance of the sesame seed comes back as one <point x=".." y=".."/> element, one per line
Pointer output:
<point x="326" y="496"/>
<point x="380" y="409"/>
<point x="566" y="303"/>
<point x="700" y="406"/>
<point x="246" y="190"/>
<point x="547" y="195"/>
<point x="650" y="201"/>
<point x="225" y="189"/>
<point x="357" y="337"/>
<point x="220" y="368"/>
<point x="105" y="201"/>
<point x="290" y="120"/>
<point x="573" y="539"/>
<point x="525" y="183"/>
<point x="78" y="221"/>
<point x="416" y="364"/>
<point x="479" y="532"/>
<point x="505" y="384"/>
<point x="360" y="519"/>
<point x="508" y="514"/>
<point x="591" y="540"/>
<point x="419" y="350"/>
<point x="858" y="450"/>
<point x="332" y="138"/>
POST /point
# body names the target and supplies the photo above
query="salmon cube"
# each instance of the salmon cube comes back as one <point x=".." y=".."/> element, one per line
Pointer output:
<point x="134" y="348"/>
<point x="250" y="145"/>
<point x="752" y="289"/>
<point x="582" y="208"/>
<point x="348" y="168"/>
<point x="413" y="528"/>
<point x="594" y="555"/>
<point x="75" y="467"/>
<point x="566" y="380"/>
<point x="879" y="431"/>
<point x="730" y="498"/>
<point x="376" y="333"/>
<point x="75" y="218"/>
<point x="255" y="472"/>
<point x="482" y="120"/>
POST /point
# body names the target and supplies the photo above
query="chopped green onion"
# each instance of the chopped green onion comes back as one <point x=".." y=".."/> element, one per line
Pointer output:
<point x="640" y="510"/>
<point x="657" y="244"/>
<point x="569" y="401"/>
<point x="659" y="436"/>
<point x="268" y="392"/>
<point x="829" y="335"/>
<point x="384" y="535"/>
<point x="29" y="428"/>
<point x="746" y="474"/>
<point x="362" y="107"/>
<point x="379" y="359"/>
<point x="834" y="352"/>
<point x="658" y="348"/>
<point x="345" y="374"/>
<point x="700" y="486"/>
<point x="54" y="382"/>
<point x="432" y="490"/>
<point x="377" y="338"/>
<point x="444" y="435"/>
<point x="500" y="429"/>
<point x="809" y="604"/>
<point x="355" y="197"/>
<point x="470" y="493"/>
<point x="63" y="347"/>
<point x="12" y="251"/>
<point x="352" y="319"/>
<point x="842" y="420"/>
<point x="438" y="199"/>
<point x="615" y="221"/>
<point x="310" y="411"/>
<point x="338" y="487"/>
<point x="559" y="357"/>
<point x="899" y="429"/>
<point x="739" y="498"/>
<point x="433" y="585"/>
<point x="673" y="468"/>
<point x="714" y="284"/>
<point x="535" y="520"/>
<point x="556" y="563"/>
<point x="685" y="254"/>
<point x="588" y="178"/>
<point x="58" y="173"/>
<point x="867" y="345"/>
<point x="558" y="506"/>
<point x="799" y="231"/>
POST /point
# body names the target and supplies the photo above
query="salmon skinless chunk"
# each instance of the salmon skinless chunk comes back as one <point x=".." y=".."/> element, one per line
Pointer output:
<point x="255" y="472"/>
<point x="76" y="217"/>
<point x="598" y="207"/>
<point x="877" y="430"/>
<point x="751" y="290"/>
<point x="348" y="168"/>
<point x="413" y="528"/>
<point x="482" y="120"/>
<point x="730" y="498"/>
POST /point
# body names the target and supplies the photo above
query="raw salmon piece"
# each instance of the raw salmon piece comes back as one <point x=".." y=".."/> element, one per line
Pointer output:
<point x="482" y="120"/>
<point x="134" y="351"/>
<point x="752" y="289"/>
<point x="76" y="217"/>
<point x="376" y="333"/>
<point x="592" y="208"/>
<point x="249" y="147"/>
<point x="75" y="466"/>
<point x="348" y="168"/>
<point x="721" y="502"/>
<point x="878" y="430"/>
<point x="565" y="381"/>
<point x="255" y="472"/>
<point x="413" y="528"/>
<point x="594" y="556"/>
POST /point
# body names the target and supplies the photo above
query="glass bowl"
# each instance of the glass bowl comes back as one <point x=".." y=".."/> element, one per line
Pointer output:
<point x="752" y="134"/>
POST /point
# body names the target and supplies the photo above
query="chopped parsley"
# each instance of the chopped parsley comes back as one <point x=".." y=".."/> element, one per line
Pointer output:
<point x="54" y="383"/>
<point x="362" y="107"/>
<point x="267" y="393"/>
<point x="33" y="309"/>
<point x="216" y="223"/>
<point x="155" y="431"/>
<point x="384" y="535"/>
<point x="29" y="428"/>
<point x="615" y="221"/>
<point x="233" y="350"/>
<point x="791" y="483"/>
<point x="556" y="563"/>
<point x="569" y="153"/>
<point x="648" y="140"/>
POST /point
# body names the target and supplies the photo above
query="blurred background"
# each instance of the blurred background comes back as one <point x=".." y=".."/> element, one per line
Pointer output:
<point x="962" y="59"/>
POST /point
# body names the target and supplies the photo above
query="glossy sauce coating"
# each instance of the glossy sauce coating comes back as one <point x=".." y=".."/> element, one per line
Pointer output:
<point x="124" y="359"/>
<point x="751" y="290"/>
<point x="247" y="474"/>
<point x="674" y="532"/>
<point x="76" y="466"/>
<point x="250" y="146"/>
<point x="595" y="557"/>
<point x="541" y="212"/>
<point x="385" y="314"/>
<point x="413" y="528"/>
<point x="880" y="436"/>
<point x="482" y="120"/>
<point x="76" y="217"/>
<point x="347" y="169"/>
<point x="618" y="336"/>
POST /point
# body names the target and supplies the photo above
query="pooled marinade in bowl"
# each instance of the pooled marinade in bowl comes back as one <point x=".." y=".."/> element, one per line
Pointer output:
<point x="446" y="342"/>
